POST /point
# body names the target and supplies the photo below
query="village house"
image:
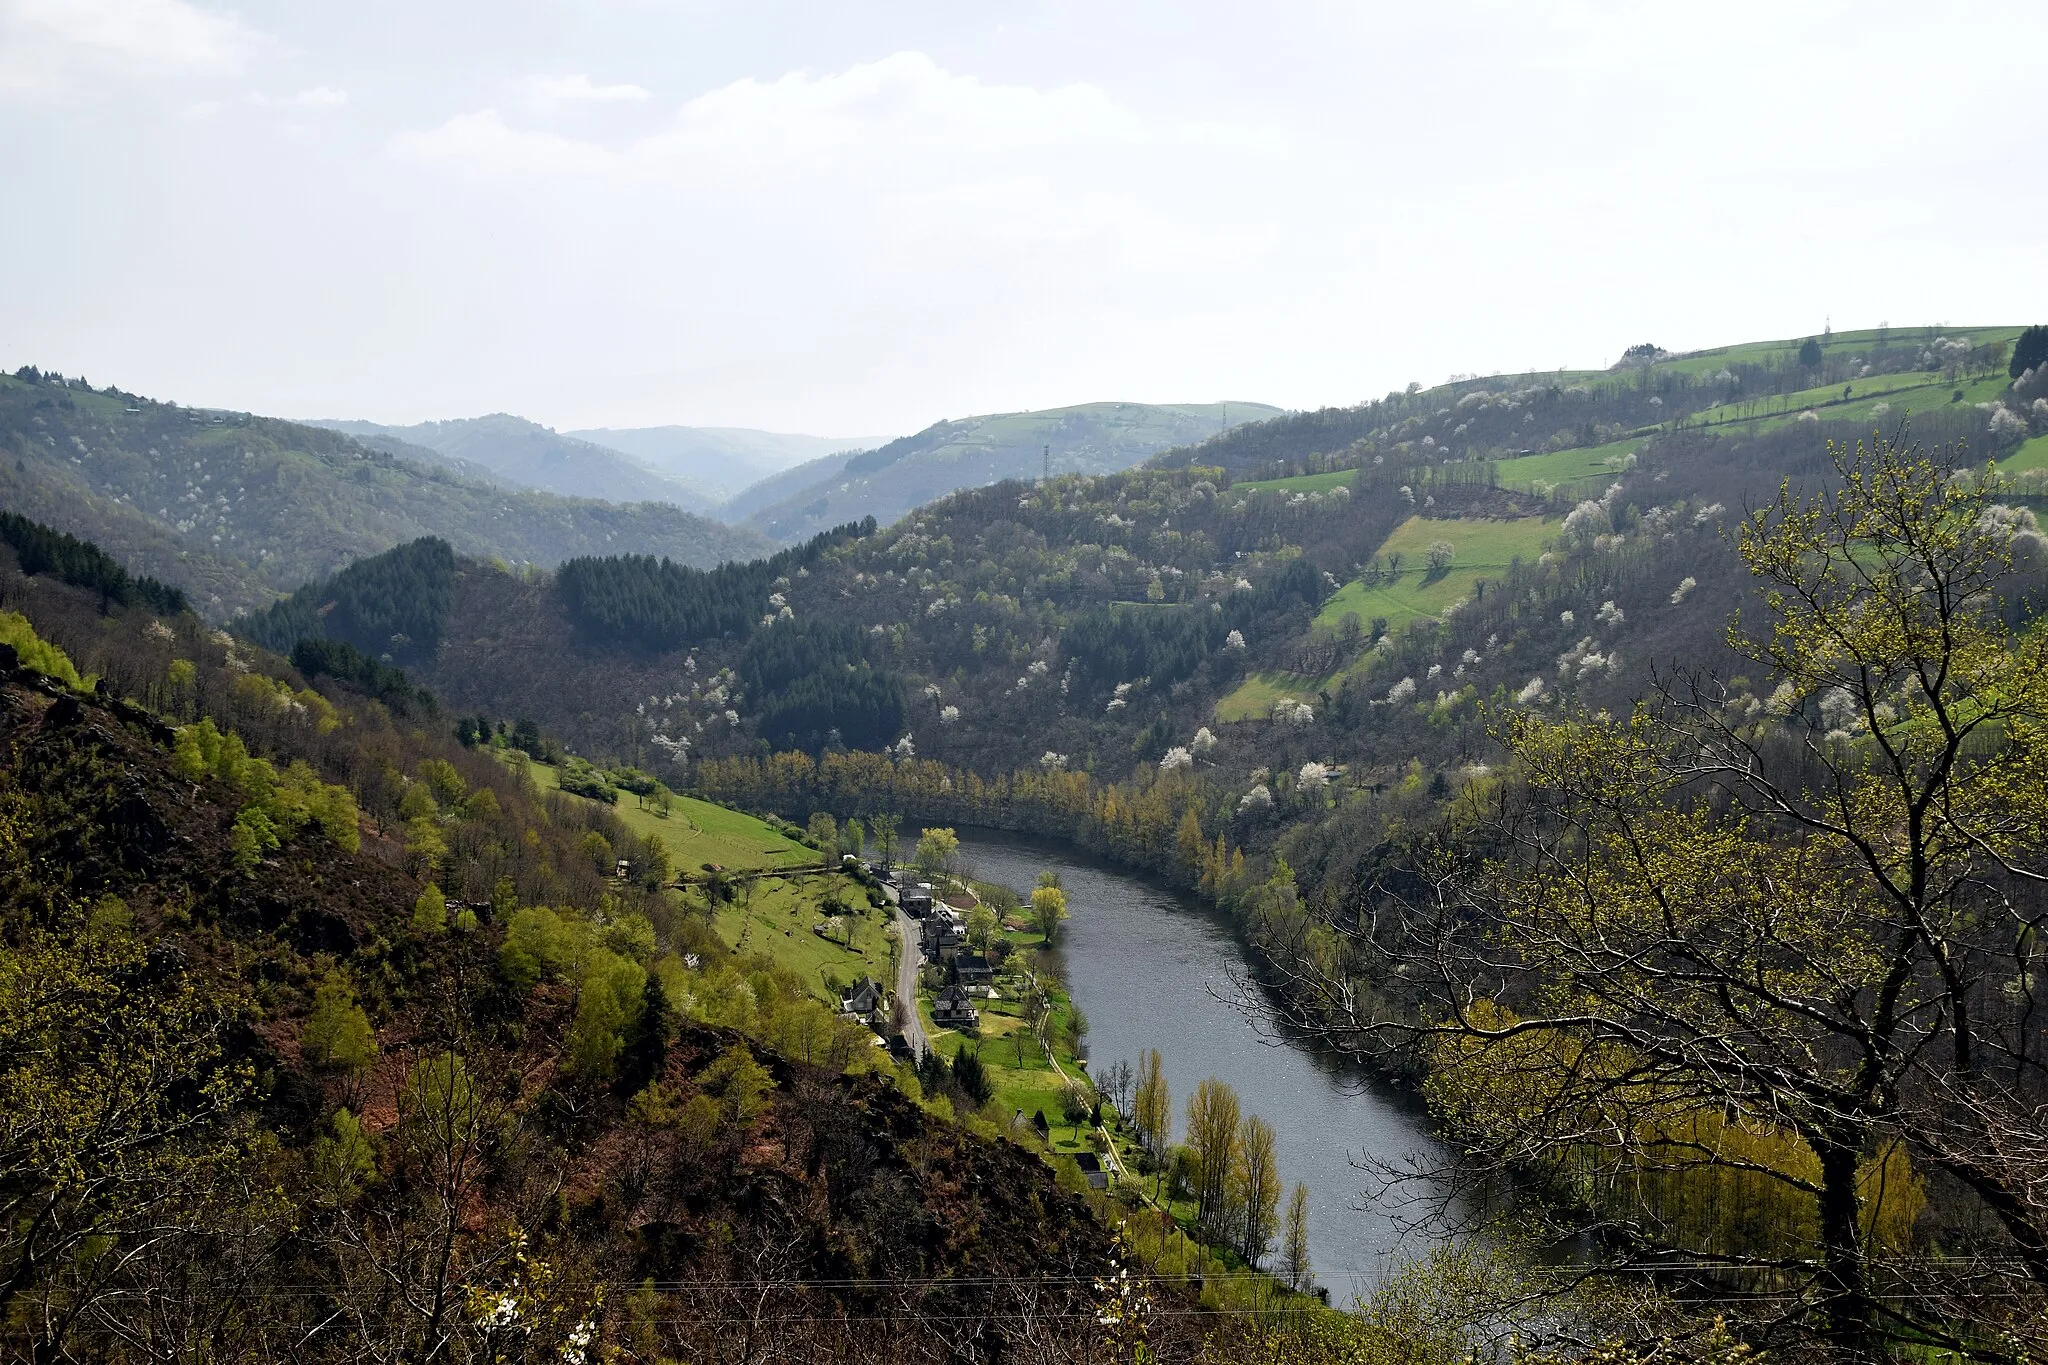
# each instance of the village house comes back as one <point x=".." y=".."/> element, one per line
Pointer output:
<point x="943" y="934"/>
<point x="974" y="971"/>
<point x="1091" y="1170"/>
<point x="955" y="1009"/>
<point x="864" y="1000"/>
<point x="916" y="899"/>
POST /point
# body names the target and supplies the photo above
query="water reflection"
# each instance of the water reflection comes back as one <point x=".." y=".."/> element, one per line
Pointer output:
<point x="1152" y="968"/>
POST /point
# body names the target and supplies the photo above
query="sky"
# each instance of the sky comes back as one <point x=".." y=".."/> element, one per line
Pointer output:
<point x="852" y="217"/>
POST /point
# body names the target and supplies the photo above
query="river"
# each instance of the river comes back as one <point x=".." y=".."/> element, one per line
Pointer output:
<point x="1153" y="968"/>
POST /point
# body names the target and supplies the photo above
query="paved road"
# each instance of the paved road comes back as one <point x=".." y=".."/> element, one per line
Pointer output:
<point x="907" y="963"/>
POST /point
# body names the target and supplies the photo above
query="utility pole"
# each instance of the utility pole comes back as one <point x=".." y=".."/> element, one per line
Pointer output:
<point x="1048" y="463"/>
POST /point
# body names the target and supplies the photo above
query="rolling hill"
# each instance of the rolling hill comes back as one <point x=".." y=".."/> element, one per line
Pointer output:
<point x="236" y="508"/>
<point x="528" y="455"/>
<point x="884" y="483"/>
<point x="722" y="460"/>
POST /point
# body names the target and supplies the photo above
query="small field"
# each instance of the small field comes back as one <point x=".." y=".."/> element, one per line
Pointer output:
<point x="1560" y="468"/>
<point x="1305" y="483"/>
<point x="2032" y="455"/>
<point x="1899" y="394"/>
<point x="698" y="832"/>
<point x="1481" y="550"/>
<point x="775" y="917"/>
<point x="1253" y="698"/>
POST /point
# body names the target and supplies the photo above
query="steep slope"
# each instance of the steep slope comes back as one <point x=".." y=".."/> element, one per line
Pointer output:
<point x="529" y="455"/>
<point x="723" y="460"/>
<point x="236" y="508"/>
<point x="1093" y="438"/>
<point x="332" y="1080"/>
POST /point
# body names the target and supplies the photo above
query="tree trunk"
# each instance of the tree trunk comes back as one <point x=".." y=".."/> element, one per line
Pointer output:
<point x="1841" y="1235"/>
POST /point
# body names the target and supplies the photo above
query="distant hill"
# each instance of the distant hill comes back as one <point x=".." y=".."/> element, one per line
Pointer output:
<point x="723" y="460"/>
<point x="1092" y="438"/>
<point x="528" y="455"/>
<point x="236" y="509"/>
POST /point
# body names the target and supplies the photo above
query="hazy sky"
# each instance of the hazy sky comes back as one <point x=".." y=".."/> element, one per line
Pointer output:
<point x="846" y="217"/>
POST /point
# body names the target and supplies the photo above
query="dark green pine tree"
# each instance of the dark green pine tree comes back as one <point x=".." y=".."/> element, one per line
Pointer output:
<point x="2030" y="350"/>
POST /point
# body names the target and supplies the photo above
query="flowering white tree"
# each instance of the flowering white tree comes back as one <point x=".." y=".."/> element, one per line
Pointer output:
<point x="1401" y="691"/>
<point x="1685" y="585"/>
<point x="1052" y="761"/>
<point x="1234" y="640"/>
<point x="1313" y="776"/>
<point x="1259" y="797"/>
<point x="1176" y="758"/>
<point x="1587" y="520"/>
<point x="1203" y="742"/>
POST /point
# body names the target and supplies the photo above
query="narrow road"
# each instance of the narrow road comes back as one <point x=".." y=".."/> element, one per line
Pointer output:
<point x="907" y="963"/>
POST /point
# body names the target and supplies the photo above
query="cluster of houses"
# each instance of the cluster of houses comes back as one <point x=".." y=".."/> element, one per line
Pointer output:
<point x="942" y="937"/>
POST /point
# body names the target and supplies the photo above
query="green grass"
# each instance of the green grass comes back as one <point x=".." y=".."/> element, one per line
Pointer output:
<point x="1305" y="483"/>
<point x="1482" y="549"/>
<point x="697" y="832"/>
<point x="1841" y="343"/>
<point x="1253" y="698"/>
<point x="2032" y="455"/>
<point x="1899" y="393"/>
<point x="776" y="919"/>
<point x="1563" y="467"/>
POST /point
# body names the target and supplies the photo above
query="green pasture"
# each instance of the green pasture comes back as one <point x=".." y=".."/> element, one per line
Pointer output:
<point x="1559" y="468"/>
<point x="1481" y="549"/>
<point x="1898" y="393"/>
<point x="1304" y="483"/>
<point x="774" y="916"/>
<point x="1253" y="698"/>
<point x="696" y="832"/>
<point x="2032" y="455"/>
<point x="1862" y="342"/>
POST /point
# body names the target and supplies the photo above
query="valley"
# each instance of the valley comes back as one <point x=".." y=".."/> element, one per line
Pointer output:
<point x="1317" y="702"/>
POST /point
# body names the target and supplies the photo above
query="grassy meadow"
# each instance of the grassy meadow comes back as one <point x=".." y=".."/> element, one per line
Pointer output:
<point x="776" y="917"/>
<point x="698" y="832"/>
<point x="1481" y="549"/>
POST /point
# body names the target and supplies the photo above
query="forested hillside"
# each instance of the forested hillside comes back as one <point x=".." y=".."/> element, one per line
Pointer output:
<point x="235" y="509"/>
<point x="527" y="455"/>
<point x="1094" y="438"/>
<point x="355" y="1047"/>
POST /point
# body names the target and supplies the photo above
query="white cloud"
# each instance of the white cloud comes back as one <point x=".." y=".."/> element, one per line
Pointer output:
<point x="319" y="97"/>
<point x="579" y="88"/>
<point x="48" y="47"/>
<point x="900" y="110"/>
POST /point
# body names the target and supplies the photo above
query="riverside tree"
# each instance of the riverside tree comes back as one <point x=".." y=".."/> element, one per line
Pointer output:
<point x="1048" y="910"/>
<point x="1214" y="1143"/>
<point x="1152" y="1104"/>
<point x="1778" y="957"/>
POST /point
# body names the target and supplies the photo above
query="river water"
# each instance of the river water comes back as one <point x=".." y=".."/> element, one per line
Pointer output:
<point x="1153" y="968"/>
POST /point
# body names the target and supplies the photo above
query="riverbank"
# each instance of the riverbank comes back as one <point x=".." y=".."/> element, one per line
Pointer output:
<point x="1154" y="968"/>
